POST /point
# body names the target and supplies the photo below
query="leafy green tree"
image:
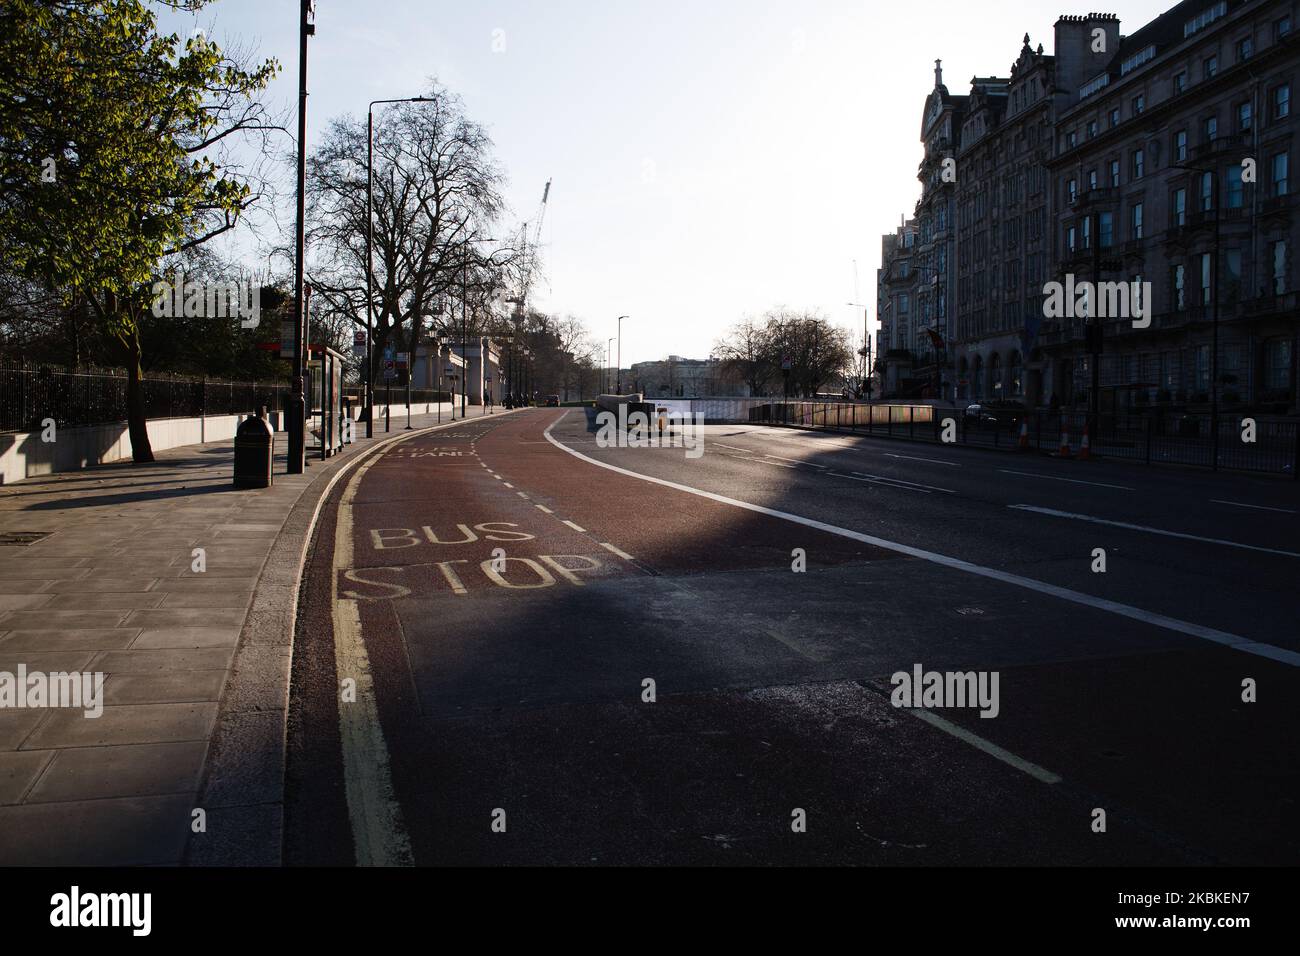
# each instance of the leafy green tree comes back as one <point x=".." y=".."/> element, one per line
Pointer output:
<point x="108" y="133"/>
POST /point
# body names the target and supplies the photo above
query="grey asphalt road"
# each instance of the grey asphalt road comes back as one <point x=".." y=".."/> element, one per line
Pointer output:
<point x="519" y="688"/>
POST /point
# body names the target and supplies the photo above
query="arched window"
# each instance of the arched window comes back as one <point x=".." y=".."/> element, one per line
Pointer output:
<point x="977" y="379"/>
<point x="1017" y="376"/>
<point x="995" y="376"/>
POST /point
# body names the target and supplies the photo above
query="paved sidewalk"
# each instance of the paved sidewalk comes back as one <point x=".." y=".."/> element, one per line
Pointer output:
<point x="112" y="589"/>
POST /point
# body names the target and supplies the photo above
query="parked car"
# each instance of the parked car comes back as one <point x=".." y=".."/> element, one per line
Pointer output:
<point x="552" y="401"/>
<point x="979" y="415"/>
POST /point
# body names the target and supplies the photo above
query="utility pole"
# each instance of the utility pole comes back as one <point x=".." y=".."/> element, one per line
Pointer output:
<point x="298" y="399"/>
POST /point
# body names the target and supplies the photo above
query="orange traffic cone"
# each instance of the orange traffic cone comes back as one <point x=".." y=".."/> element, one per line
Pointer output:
<point x="1085" y="449"/>
<point x="1065" y="444"/>
<point x="1023" y="444"/>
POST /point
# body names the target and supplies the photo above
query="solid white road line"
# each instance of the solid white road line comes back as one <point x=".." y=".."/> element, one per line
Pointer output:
<point x="719" y="444"/>
<point x="546" y="509"/>
<point x="1073" y="481"/>
<point x="1238" y="504"/>
<point x="933" y="461"/>
<point x="613" y="550"/>
<point x="797" y="461"/>
<point x="378" y="830"/>
<point x="872" y="481"/>
<point x="908" y="484"/>
<point x="576" y="528"/>
<point x="1143" y="528"/>
<point x="1234" y="641"/>
<point x="992" y="749"/>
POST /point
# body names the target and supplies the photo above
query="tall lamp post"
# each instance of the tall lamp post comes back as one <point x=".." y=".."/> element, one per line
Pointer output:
<point x="620" y="352"/>
<point x="609" y="354"/>
<point x="298" y="399"/>
<point x="370" y="241"/>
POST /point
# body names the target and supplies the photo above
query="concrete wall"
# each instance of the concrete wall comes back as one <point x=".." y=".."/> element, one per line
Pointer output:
<point x="24" y="455"/>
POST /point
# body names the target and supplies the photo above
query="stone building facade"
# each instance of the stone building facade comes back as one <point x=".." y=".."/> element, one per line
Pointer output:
<point x="1130" y="159"/>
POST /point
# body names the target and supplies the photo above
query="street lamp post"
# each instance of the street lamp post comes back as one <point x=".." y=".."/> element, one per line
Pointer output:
<point x="370" y="241"/>
<point x="620" y="352"/>
<point x="298" y="399"/>
<point x="609" y="353"/>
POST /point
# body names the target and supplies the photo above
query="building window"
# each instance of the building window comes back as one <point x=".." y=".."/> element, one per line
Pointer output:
<point x="1211" y="66"/>
<point x="1135" y="221"/>
<point x="1092" y="129"/>
<point x="1114" y="173"/>
<point x="1092" y="179"/>
<point x="1202" y="359"/>
<point x="1279" y="267"/>
<point x="1070" y="140"/>
<point x="1245" y="47"/>
<point x="1232" y="270"/>
<point x="1211" y="129"/>
<point x="1282" y="28"/>
<point x="1282" y="101"/>
<point x="1106" y="230"/>
<point x="1139" y="163"/>
<point x="1139" y="104"/>
<point x="1087" y="232"/>
<point x="1243" y="116"/>
<point x="1236" y="188"/>
<point x="1071" y="239"/>
<point x="1180" y="287"/>
<point x="1281" y="183"/>
<point x="1072" y="191"/>
<point x="1180" y="82"/>
<point x="1179" y="205"/>
<point x="1180" y="144"/>
<point x="1207" y="192"/>
<point x="1114" y="118"/>
<point x="1204" y="19"/>
<point x="1207" y="274"/>
<point x="1277" y="365"/>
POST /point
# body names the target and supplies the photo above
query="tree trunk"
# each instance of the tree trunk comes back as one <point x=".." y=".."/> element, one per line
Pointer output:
<point x="141" y="449"/>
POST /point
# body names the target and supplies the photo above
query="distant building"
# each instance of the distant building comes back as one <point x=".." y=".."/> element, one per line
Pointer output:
<point x="677" y="377"/>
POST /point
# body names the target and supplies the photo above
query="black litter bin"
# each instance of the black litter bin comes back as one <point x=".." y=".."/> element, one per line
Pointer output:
<point x="254" y="452"/>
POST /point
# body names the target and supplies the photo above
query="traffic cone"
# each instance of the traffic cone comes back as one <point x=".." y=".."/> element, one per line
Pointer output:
<point x="1023" y="444"/>
<point x="1085" y="449"/>
<point x="1065" y="444"/>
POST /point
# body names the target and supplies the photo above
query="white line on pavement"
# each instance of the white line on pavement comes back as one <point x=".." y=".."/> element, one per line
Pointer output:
<point x="1238" y="504"/>
<point x="933" y="461"/>
<point x="872" y="481"/>
<point x="1160" y="531"/>
<point x="908" y="484"/>
<point x="576" y="528"/>
<point x="613" y="550"/>
<point x="1234" y="641"/>
<point x="546" y="509"/>
<point x="992" y="749"/>
<point x="1073" y="481"/>
<point x="797" y="461"/>
<point x="732" y="448"/>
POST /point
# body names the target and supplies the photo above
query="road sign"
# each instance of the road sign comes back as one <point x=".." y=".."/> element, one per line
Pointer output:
<point x="288" y="339"/>
<point x="786" y="363"/>
<point x="390" y="370"/>
<point x="359" y="338"/>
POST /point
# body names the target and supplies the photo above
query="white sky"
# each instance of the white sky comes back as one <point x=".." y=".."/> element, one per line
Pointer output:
<point x="710" y="158"/>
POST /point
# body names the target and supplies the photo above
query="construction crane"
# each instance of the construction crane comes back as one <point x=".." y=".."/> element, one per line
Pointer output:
<point x="529" y="251"/>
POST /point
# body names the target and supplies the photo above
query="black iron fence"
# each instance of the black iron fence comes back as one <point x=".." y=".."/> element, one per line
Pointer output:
<point x="30" y="396"/>
<point x="1244" y="444"/>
